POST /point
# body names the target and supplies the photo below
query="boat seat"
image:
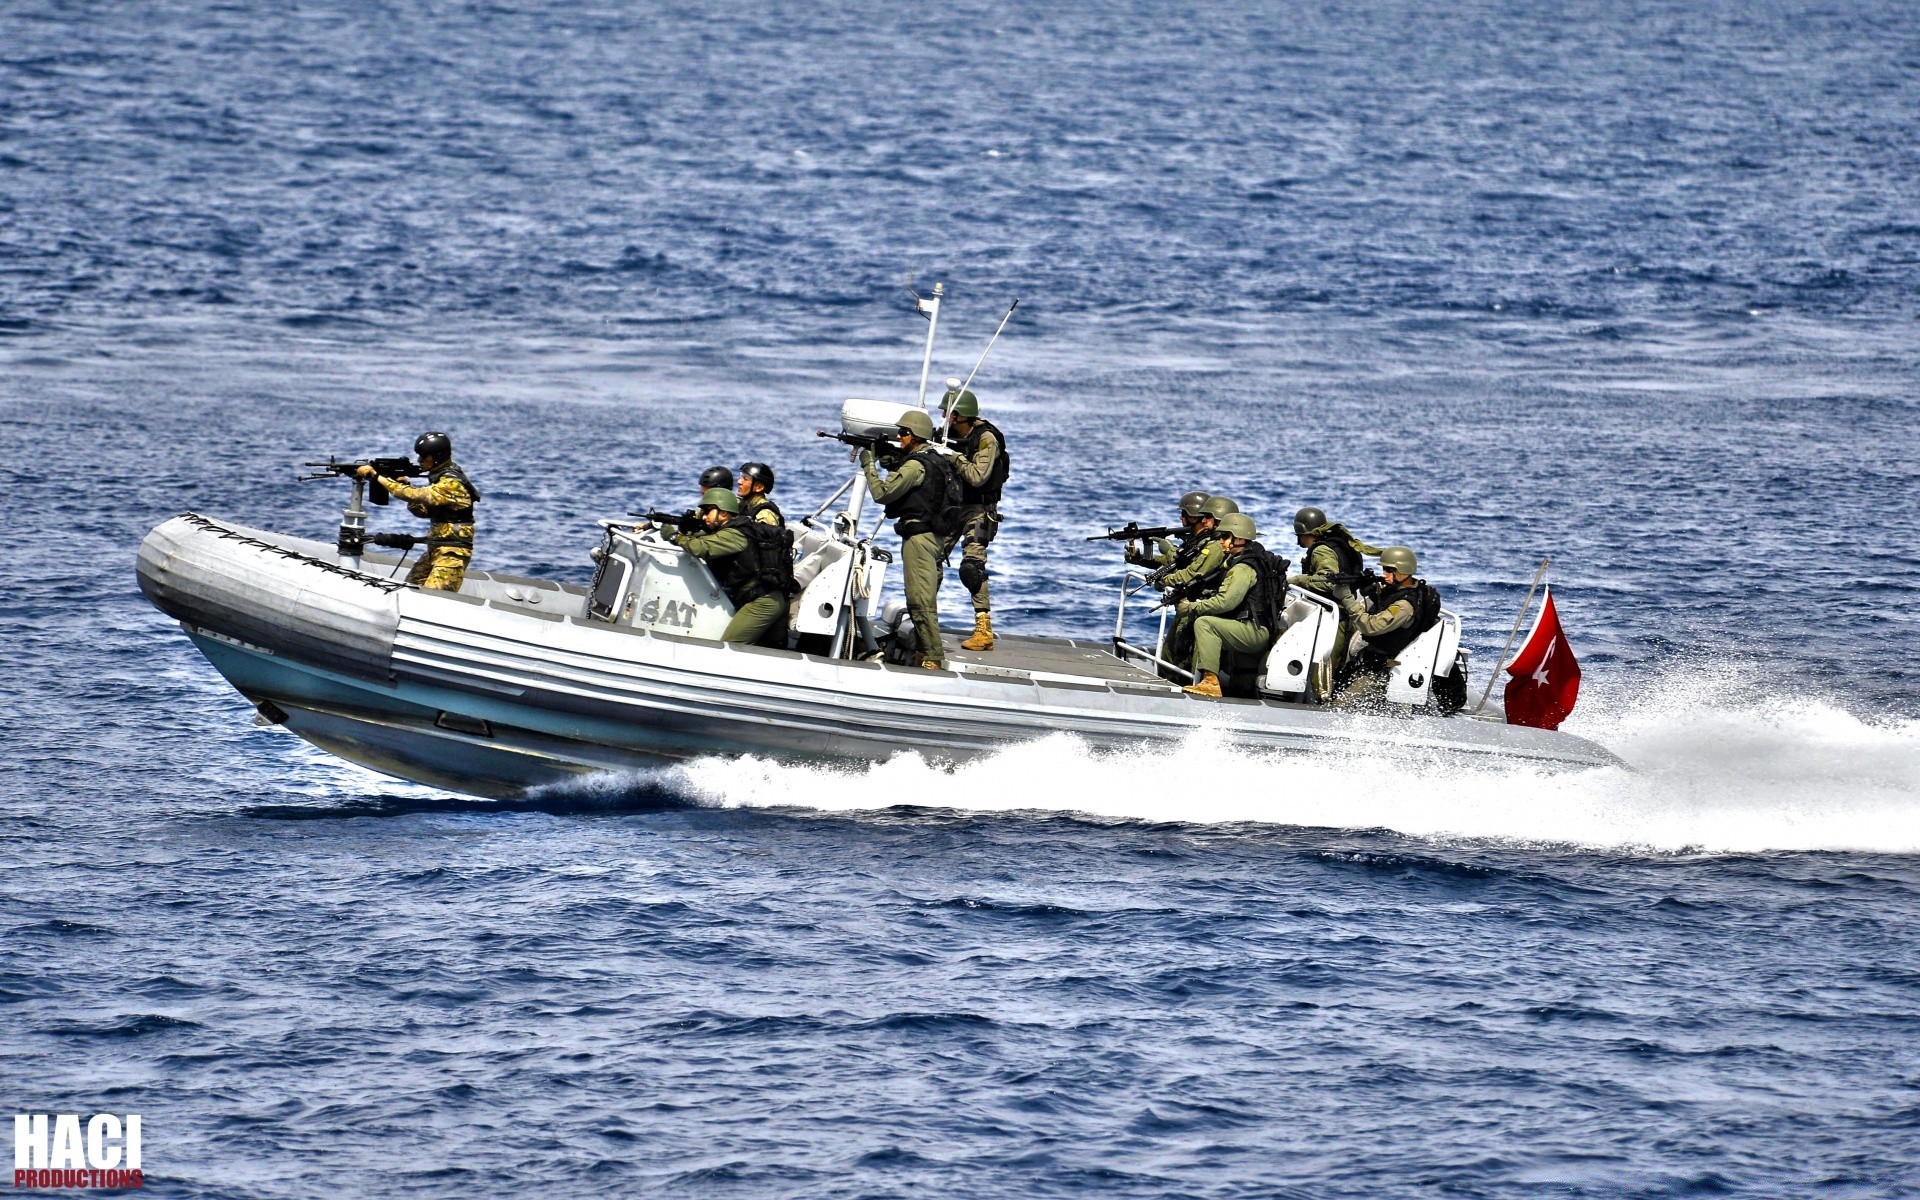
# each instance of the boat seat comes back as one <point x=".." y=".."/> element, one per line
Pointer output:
<point x="1305" y="643"/>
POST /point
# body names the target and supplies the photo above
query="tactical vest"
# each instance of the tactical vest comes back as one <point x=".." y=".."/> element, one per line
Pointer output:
<point x="452" y="514"/>
<point x="1426" y="610"/>
<point x="1337" y="539"/>
<point x="1265" y="602"/>
<point x="764" y="568"/>
<point x="989" y="491"/>
<point x="920" y="510"/>
<point x="759" y="504"/>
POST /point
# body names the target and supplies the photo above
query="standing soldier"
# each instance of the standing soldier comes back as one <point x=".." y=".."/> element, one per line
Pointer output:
<point x="1205" y="558"/>
<point x="1395" y="612"/>
<point x="982" y="464"/>
<point x="1332" y="567"/>
<point x="447" y="503"/>
<point x="756" y="482"/>
<point x="746" y="564"/>
<point x="915" y="495"/>
<point x="1234" y="623"/>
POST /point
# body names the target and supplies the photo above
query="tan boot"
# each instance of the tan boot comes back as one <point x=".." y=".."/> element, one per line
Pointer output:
<point x="930" y="665"/>
<point x="1209" y="685"/>
<point x="982" y="638"/>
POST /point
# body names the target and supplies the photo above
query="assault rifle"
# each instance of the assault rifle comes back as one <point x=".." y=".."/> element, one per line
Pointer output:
<point x="1134" y="532"/>
<point x="685" y="522"/>
<point x="396" y="541"/>
<point x="392" y="468"/>
<point x="885" y="452"/>
<point x="1193" y="589"/>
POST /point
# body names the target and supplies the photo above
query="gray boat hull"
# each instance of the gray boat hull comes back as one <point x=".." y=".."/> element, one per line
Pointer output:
<point x="507" y="686"/>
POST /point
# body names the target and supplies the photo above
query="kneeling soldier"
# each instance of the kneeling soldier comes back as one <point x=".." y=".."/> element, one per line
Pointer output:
<point x="447" y="502"/>
<point x="1236" y="622"/>
<point x="1395" y="612"/>
<point x="1164" y="553"/>
<point x="1194" y="571"/>
<point x="745" y="561"/>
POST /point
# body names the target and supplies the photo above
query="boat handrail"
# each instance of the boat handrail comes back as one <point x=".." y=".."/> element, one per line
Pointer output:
<point x="1133" y="581"/>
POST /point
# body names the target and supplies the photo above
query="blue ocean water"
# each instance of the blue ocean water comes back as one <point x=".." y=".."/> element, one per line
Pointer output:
<point x="1631" y="284"/>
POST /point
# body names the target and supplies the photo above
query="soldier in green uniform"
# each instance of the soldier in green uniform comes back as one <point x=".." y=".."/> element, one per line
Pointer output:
<point x="1229" y="623"/>
<point x="1204" y="559"/>
<point x="727" y="546"/>
<point x="1332" y="567"/>
<point x="1393" y="613"/>
<point x="756" y="484"/>
<point x="981" y="460"/>
<point x="914" y="494"/>
<point x="447" y="503"/>
<point x="1163" y="552"/>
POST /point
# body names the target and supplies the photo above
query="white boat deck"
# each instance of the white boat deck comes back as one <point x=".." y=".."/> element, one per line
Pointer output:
<point x="1069" y="658"/>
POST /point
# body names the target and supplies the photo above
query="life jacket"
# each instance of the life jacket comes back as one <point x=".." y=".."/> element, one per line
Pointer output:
<point x="989" y="491"/>
<point x="764" y="568"/>
<point x="1336" y="538"/>
<point x="934" y="506"/>
<point x="1426" y="610"/>
<point x="1265" y="603"/>
<point x="452" y="514"/>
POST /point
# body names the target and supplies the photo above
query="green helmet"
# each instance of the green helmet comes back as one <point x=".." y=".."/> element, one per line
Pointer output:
<point x="1399" y="559"/>
<point x="1239" y="525"/>
<point x="1218" y="507"/>
<point x="1191" y="502"/>
<point x="721" y="499"/>
<point x="1308" y="519"/>
<point x="961" y="403"/>
<point x="918" y="423"/>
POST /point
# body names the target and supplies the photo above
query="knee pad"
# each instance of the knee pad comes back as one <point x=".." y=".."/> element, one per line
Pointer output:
<point x="973" y="573"/>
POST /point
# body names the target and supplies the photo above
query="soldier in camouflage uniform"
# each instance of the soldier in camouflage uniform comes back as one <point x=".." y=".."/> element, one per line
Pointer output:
<point x="1391" y="615"/>
<point x="1208" y="558"/>
<point x="447" y="502"/>
<point x="1333" y="567"/>
<point x="980" y="458"/>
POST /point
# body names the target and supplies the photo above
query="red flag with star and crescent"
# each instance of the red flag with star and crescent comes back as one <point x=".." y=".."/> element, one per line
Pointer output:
<point x="1544" y="678"/>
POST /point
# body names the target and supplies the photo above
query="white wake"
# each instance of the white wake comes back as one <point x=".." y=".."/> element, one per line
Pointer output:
<point x="1709" y="774"/>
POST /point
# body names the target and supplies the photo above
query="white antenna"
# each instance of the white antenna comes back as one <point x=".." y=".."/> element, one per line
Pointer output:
<point x="930" y="309"/>
<point x="983" y="353"/>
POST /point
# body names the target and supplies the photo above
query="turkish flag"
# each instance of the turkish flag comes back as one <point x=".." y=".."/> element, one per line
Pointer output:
<point x="1544" y="678"/>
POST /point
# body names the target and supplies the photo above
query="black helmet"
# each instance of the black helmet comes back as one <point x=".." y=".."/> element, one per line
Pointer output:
<point x="716" y="477"/>
<point x="1191" y="502"/>
<point x="1307" y="520"/>
<point x="434" y="445"/>
<point x="759" y="472"/>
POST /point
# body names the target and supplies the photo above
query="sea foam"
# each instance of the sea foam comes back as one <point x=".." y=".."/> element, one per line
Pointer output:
<point x="1706" y="774"/>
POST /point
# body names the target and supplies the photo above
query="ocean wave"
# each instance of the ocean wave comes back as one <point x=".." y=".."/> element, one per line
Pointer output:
<point x="1755" y="776"/>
